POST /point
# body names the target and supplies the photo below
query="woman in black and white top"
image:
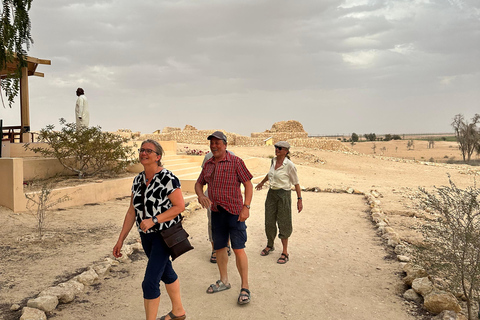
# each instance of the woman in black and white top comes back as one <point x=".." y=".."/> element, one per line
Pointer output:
<point x="156" y="204"/>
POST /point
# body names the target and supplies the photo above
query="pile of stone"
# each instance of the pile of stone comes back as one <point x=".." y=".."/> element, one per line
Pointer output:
<point x="127" y="133"/>
<point x="50" y="298"/>
<point x="287" y="126"/>
<point x="189" y="127"/>
<point x="305" y="158"/>
<point x="283" y="131"/>
<point x="422" y="289"/>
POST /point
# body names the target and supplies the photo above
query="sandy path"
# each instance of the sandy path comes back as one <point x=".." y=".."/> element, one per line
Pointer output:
<point x="337" y="271"/>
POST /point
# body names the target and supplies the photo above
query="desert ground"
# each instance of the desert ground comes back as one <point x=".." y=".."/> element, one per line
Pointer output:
<point x="339" y="267"/>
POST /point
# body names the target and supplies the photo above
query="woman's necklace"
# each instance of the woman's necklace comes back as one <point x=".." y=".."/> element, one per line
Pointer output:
<point x="156" y="171"/>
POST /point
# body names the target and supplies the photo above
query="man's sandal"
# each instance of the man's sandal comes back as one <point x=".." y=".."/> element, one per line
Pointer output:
<point x="244" y="296"/>
<point x="172" y="316"/>
<point x="220" y="286"/>
<point x="283" y="258"/>
<point x="213" y="257"/>
<point x="266" y="252"/>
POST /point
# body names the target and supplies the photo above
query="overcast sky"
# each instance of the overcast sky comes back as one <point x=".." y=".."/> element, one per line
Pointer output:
<point x="337" y="66"/>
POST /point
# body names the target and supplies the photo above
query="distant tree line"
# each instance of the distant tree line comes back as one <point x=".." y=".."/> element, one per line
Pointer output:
<point x="373" y="137"/>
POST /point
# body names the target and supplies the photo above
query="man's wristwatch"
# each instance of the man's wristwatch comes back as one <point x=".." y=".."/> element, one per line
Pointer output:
<point x="155" y="220"/>
<point x="246" y="205"/>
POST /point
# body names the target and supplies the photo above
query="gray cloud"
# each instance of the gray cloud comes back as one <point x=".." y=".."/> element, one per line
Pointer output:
<point x="336" y="66"/>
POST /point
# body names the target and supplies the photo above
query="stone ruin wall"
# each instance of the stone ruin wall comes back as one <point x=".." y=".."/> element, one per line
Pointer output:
<point x="316" y="143"/>
<point x="291" y="131"/>
<point x="280" y="136"/>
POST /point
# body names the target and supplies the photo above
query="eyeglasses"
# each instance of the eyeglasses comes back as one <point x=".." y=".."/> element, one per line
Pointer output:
<point x="279" y="148"/>
<point x="147" y="151"/>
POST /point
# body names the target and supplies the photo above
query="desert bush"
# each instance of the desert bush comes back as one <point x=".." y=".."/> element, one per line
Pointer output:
<point x="86" y="150"/>
<point x="431" y="159"/>
<point x="468" y="135"/>
<point x="387" y="137"/>
<point x="40" y="202"/>
<point x="370" y="136"/>
<point x="410" y="145"/>
<point x="451" y="245"/>
<point x="396" y="137"/>
<point x="354" y="137"/>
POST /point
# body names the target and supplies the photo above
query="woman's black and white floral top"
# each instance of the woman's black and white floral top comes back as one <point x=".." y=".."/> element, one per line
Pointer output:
<point x="156" y="199"/>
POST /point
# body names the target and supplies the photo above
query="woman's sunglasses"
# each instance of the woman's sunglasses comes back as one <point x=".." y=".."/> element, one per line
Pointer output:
<point x="147" y="151"/>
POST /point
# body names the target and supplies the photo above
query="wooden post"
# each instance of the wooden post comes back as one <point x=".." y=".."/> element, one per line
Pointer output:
<point x="24" y="106"/>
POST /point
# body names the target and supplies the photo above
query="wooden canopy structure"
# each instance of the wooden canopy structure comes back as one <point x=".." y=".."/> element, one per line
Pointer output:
<point x="22" y="131"/>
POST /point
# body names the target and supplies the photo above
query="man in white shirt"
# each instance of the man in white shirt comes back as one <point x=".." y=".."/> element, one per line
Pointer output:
<point x="82" y="116"/>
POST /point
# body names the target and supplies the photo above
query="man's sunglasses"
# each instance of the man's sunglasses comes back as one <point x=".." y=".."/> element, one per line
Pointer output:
<point x="147" y="151"/>
<point x="279" y="148"/>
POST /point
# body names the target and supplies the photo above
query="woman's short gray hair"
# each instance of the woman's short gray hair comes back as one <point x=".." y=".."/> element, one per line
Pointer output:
<point x="158" y="149"/>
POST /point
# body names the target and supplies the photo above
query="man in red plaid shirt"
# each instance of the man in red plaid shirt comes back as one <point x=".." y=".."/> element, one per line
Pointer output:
<point x="224" y="173"/>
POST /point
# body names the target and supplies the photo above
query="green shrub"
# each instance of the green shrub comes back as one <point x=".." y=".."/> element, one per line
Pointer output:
<point x="451" y="246"/>
<point x="370" y="136"/>
<point x="86" y="150"/>
<point x="354" y="137"/>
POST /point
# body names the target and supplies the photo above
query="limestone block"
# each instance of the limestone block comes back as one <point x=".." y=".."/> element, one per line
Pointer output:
<point x="127" y="250"/>
<point x="389" y="235"/>
<point x="76" y="286"/>
<point x="375" y="193"/>
<point x="63" y="294"/>
<point x="102" y="268"/>
<point x="393" y="242"/>
<point x="446" y="315"/>
<point x="33" y="314"/>
<point x="388" y="230"/>
<point x="15" y="307"/>
<point x="193" y="206"/>
<point x="114" y="262"/>
<point x="88" y="277"/>
<point x="403" y="258"/>
<point x="411" y="295"/>
<point x="45" y="303"/>
<point x="422" y="286"/>
<point x="382" y="224"/>
<point x="438" y="301"/>
<point x="413" y="272"/>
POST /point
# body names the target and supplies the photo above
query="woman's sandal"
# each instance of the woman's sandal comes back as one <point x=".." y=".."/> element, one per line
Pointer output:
<point x="213" y="257"/>
<point x="266" y="252"/>
<point x="220" y="286"/>
<point x="244" y="296"/>
<point x="172" y="316"/>
<point x="283" y="259"/>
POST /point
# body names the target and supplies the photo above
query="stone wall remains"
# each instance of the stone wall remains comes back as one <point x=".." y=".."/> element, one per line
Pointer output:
<point x="315" y="143"/>
<point x="280" y="136"/>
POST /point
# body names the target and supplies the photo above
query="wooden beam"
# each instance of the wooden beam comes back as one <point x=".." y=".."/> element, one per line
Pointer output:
<point x="24" y="106"/>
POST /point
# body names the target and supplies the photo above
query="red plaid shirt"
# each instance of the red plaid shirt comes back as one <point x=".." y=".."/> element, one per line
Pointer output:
<point x="224" y="179"/>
